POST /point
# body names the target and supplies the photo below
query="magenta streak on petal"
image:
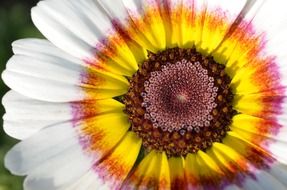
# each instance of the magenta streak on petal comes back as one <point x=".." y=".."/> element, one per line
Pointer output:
<point x="80" y="113"/>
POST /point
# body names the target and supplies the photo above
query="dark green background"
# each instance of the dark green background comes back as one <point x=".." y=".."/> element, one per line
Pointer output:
<point x="15" y="23"/>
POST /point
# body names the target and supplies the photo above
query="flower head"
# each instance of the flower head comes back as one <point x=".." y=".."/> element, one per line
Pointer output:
<point x="150" y="94"/>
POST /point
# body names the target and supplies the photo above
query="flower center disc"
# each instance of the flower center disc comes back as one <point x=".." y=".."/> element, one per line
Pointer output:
<point x="180" y="96"/>
<point x="180" y="102"/>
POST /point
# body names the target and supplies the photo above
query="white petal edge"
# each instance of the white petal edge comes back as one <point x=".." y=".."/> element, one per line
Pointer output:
<point x="279" y="171"/>
<point x="263" y="181"/>
<point x="58" y="33"/>
<point x="42" y="88"/>
<point x="42" y="71"/>
<point x="25" y="116"/>
<point x="71" y="26"/>
<point x="274" y="27"/>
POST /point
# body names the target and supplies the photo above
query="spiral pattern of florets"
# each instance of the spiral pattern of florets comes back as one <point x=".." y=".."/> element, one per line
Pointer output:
<point x="179" y="96"/>
<point x="179" y="102"/>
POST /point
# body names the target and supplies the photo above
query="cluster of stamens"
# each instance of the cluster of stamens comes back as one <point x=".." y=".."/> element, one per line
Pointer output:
<point x="179" y="102"/>
<point x="179" y="96"/>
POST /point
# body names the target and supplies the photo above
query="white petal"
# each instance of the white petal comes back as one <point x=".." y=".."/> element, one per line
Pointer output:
<point x="58" y="32"/>
<point x="273" y="28"/>
<point x="42" y="49"/>
<point x="115" y="9"/>
<point x="25" y="116"/>
<point x="267" y="181"/>
<point x="232" y="187"/>
<point x="104" y="29"/>
<point x="83" y="183"/>
<point x="59" y="171"/>
<point x="251" y="184"/>
<point x="278" y="149"/>
<point x="110" y="172"/>
<point x="43" y="89"/>
<point x="42" y="71"/>
<point x="71" y="26"/>
<point x="279" y="171"/>
<point x="49" y="68"/>
<point x="89" y="181"/>
<point x="32" y="152"/>
<point x="51" y="158"/>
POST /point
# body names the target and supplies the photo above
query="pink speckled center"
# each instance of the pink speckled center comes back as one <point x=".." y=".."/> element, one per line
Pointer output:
<point x="180" y="96"/>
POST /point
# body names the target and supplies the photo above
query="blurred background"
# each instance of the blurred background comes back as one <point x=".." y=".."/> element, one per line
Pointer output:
<point x="15" y="23"/>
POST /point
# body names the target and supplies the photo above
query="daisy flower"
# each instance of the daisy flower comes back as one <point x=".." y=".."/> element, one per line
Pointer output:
<point x="150" y="94"/>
